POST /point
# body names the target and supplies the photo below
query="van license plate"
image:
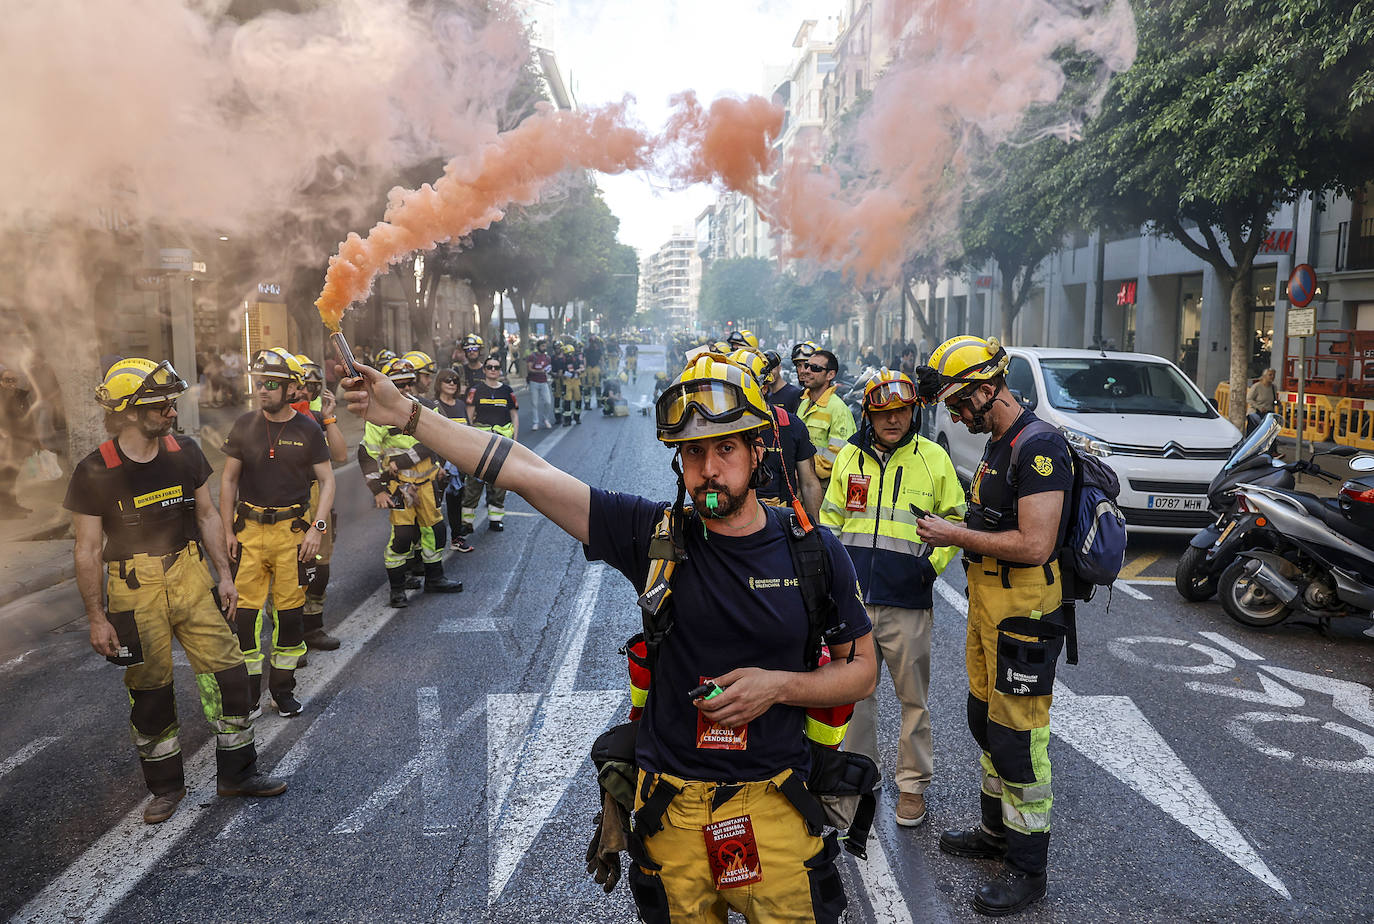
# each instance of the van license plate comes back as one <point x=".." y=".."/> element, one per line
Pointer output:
<point x="1157" y="502"/>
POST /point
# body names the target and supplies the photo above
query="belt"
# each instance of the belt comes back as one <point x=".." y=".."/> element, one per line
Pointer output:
<point x="977" y="559"/>
<point x="269" y="515"/>
<point x="127" y="568"/>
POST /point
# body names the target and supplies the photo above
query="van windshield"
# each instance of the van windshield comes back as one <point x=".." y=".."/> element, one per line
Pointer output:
<point x="1095" y="385"/>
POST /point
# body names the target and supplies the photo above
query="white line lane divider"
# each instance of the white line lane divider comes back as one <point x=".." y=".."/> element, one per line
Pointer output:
<point x="1130" y="591"/>
<point x="24" y="753"/>
<point x="952" y="597"/>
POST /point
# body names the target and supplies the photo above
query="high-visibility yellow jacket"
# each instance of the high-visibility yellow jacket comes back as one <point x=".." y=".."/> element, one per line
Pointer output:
<point x="868" y="505"/>
<point x="830" y="424"/>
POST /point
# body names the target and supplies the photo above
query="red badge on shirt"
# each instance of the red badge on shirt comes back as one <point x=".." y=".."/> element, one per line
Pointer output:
<point x="732" y="852"/>
<point x="856" y="497"/>
<point x="715" y="737"/>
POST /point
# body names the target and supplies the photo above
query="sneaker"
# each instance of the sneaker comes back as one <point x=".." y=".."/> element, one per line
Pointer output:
<point x="459" y="544"/>
<point x="160" y="808"/>
<point x="911" y="809"/>
<point x="496" y="526"/>
<point x="318" y="638"/>
<point x="287" y="706"/>
<point x="255" y="785"/>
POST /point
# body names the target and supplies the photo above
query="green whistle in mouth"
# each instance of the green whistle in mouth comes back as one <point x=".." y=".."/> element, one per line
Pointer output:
<point x="712" y="501"/>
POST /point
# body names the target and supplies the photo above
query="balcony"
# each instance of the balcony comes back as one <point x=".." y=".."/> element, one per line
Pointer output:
<point x="1355" y="246"/>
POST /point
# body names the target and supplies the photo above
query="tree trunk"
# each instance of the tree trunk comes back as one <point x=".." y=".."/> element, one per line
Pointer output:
<point x="1242" y="331"/>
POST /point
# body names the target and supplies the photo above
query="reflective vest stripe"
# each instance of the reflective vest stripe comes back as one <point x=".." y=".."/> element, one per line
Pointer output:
<point x="824" y="734"/>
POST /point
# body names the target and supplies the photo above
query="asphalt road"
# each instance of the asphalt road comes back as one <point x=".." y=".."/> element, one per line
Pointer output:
<point x="1202" y="771"/>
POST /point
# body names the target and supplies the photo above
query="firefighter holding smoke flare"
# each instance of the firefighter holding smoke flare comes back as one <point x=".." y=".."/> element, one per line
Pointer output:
<point x="273" y="455"/>
<point x="725" y="765"/>
<point x="146" y="493"/>
<point x="402" y="474"/>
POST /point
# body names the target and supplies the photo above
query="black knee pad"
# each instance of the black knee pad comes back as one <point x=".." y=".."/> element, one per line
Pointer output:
<point x="290" y="627"/>
<point x="246" y="627"/>
<point x="153" y="710"/>
<point x="1010" y="751"/>
<point x="404" y="538"/>
<point x="233" y="690"/>
<point x="440" y="535"/>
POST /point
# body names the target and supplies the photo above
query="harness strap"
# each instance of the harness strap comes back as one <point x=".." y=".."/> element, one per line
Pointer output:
<point x="856" y="837"/>
<point x="803" y="800"/>
<point x="110" y="454"/>
<point x="649" y="818"/>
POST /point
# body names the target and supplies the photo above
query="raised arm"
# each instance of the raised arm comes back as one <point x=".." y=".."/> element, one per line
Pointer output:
<point x="496" y="459"/>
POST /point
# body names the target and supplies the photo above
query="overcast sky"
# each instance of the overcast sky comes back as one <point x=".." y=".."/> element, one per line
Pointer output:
<point x="652" y="49"/>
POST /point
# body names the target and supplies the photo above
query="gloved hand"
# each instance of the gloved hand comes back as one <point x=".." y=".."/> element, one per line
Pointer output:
<point x="927" y="384"/>
<point x="603" y="853"/>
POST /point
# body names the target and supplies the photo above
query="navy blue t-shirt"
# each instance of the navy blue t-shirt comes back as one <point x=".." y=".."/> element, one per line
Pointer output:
<point x="1043" y="464"/>
<point x="736" y="604"/>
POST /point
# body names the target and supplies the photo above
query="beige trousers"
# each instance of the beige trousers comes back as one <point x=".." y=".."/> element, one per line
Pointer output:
<point x="902" y="640"/>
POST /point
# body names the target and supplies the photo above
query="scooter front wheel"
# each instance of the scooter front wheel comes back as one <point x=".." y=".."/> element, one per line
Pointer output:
<point x="1247" y="601"/>
<point x="1194" y="578"/>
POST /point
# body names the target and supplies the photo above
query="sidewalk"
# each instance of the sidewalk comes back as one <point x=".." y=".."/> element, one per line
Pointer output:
<point x="36" y="550"/>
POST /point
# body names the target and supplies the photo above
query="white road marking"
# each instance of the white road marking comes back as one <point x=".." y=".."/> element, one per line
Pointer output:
<point x="470" y="624"/>
<point x="15" y="662"/>
<point x="24" y="753"/>
<point x="1236" y="648"/>
<point x="429" y="765"/>
<point x="1242" y="726"/>
<point x="537" y="744"/>
<point x="889" y="906"/>
<point x="98" y="880"/>
<point x="1272" y="694"/>
<point x="1218" y="662"/>
<point x="1130" y="591"/>
<point x="953" y="598"/>
<point x="1112" y="733"/>
<point x="1354" y="699"/>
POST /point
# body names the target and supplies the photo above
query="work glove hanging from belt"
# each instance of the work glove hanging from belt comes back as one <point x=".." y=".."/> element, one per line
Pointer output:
<point x="608" y="840"/>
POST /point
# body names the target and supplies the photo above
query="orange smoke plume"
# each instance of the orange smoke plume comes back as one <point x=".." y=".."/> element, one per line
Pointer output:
<point x="731" y="141"/>
<point x="474" y="192"/>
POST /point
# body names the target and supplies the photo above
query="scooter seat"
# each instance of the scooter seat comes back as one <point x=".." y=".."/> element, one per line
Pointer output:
<point x="1329" y="512"/>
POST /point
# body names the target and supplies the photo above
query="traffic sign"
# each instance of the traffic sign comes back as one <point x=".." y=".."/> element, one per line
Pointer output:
<point x="1302" y="285"/>
<point x="1302" y="322"/>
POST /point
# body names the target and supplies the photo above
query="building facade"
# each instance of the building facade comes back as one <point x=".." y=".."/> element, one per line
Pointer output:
<point x="670" y="280"/>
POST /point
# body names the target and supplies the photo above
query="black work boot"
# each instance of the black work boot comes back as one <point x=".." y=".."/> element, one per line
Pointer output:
<point x="254" y="695"/>
<point x="437" y="583"/>
<point x="1008" y="892"/>
<point x="396" y="577"/>
<point x="315" y="636"/>
<point x="978" y="843"/>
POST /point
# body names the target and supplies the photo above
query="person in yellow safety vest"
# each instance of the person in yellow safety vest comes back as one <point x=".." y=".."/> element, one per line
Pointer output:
<point x="826" y="416"/>
<point x="311" y="398"/>
<point x="401" y="474"/>
<point x="145" y="493"/>
<point x="573" y="368"/>
<point x="273" y="454"/>
<point x="884" y="472"/>
<point x="491" y="407"/>
<point x="714" y="768"/>
<point x="1016" y="523"/>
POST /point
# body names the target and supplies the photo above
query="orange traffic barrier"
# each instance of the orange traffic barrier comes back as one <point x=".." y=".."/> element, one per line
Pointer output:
<point x="1318" y="421"/>
<point x="1223" y="399"/>
<point x="1355" y="423"/>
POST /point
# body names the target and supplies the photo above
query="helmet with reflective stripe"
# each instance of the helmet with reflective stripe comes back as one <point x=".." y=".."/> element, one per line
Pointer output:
<point x="138" y="382"/>
<point x="889" y="390"/>
<point x="752" y="360"/>
<point x="382" y="357"/>
<point x="712" y="397"/>
<point x="312" y="370"/>
<point x="804" y="350"/>
<point x="276" y="363"/>
<point x="743" y="338"/>
<point x="399" y="371"/>
<point x="472" y="342"/>
<point x="967" y="362"/>
<point x="421" y="361"/>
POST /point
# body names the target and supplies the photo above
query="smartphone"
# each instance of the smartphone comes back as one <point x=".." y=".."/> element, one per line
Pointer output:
<point x="345" y="354"/>
<point x="919" y="512"/>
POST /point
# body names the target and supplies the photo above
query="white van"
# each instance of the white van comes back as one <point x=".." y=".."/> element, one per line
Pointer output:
<point x="1138" y="412"/>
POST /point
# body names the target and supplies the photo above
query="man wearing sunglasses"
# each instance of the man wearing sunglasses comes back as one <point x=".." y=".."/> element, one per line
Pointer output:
<point x="273" y="455"/>
<point x="491" y="407"/>
<point x="884" y="479"/>
<point x="145" y="493"/>
<point x="720" y="763"/>
<point x="1016" y="523"/>
<point x="827" y="417"/>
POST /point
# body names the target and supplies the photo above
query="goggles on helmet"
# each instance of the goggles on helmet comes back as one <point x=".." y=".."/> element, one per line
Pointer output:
<point x="160" y="386"/>
<point x="803" y="351"/>
<point x="716" y="400"/>
<point x="887" y="396"/>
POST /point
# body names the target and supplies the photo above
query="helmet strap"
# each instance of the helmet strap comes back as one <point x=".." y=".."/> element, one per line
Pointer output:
<point x="678" y="504"/>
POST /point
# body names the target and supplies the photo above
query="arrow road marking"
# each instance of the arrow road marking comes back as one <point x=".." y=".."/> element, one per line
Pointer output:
<point x="1112" y="733"/>
<point x="1130" y="591"/>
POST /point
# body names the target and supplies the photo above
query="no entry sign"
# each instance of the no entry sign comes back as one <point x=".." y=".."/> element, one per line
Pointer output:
<point x="1302" y="285"/>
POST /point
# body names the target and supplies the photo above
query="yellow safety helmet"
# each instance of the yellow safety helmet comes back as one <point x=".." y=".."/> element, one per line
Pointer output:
<point x="472" y="342"/>
<point x="804" y="350"/>
<point x="400" y="371"/>
<point x="138" y="382"/>
<point x="966" y="362"/>
<point x="382" y="357"/>
<point x="712" y="397"/>
<point x="569" y="348"/>
<point x="313" y="371"/>
<point x="721" y="347"/>
<point x="889" y="390"/>
<point x="421" y="361"/>
<point x="276" y="363"/>
<point x="751" y="360"/>
<point x="743" y="338"/>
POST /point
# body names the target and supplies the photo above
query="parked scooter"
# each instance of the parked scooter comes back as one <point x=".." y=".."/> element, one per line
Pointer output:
<point x="1212" y="549"/>
<point x="1318" y="554"/>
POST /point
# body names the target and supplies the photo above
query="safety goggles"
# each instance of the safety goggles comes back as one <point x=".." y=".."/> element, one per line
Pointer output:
<point x="270" y="384"/>
<point x="717" y="401"/>
<point x="890" y="395"/>
<point x="162" y="384"/>
<point x="802" y="351"/>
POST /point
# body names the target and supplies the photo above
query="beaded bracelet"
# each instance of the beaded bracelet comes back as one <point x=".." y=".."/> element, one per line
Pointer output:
<point x="413" y="422"/>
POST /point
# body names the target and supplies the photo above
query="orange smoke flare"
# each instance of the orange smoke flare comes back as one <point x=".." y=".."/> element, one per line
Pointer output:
<point x="731" y="141"/>
<point x="474" y="192"/>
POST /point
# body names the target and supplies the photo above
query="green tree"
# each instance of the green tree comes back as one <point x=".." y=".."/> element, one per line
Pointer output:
<point x="736" y="290"/>
<point x="814" y="300"/>
<point x="1232" y="108"/>
<point x="616" y="301"/>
